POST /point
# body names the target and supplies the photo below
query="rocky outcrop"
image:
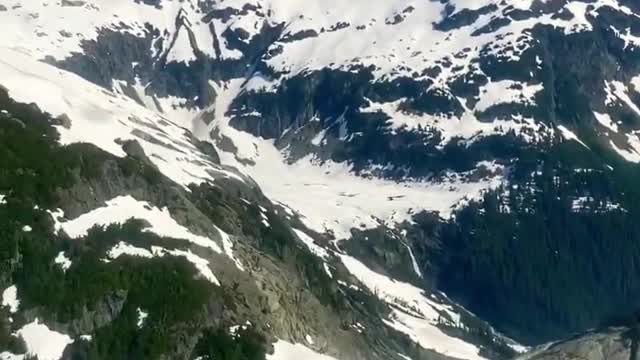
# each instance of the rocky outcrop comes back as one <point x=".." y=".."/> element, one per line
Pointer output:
<point x="612" y="344"/>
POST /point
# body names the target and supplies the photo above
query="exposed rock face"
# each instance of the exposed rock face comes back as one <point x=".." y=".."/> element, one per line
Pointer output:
<point x="612" y="344"/>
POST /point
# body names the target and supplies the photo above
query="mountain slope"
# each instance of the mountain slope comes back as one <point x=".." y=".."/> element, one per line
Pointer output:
<point x="253" y="261"/>
<point x="416" y="147"/>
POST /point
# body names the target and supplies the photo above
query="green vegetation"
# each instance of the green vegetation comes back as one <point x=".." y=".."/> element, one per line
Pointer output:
<point x="552" y="264"/>
<point x="93" y="296"/>
<point x="246" y="344"/>
<point x="277" y="240"/>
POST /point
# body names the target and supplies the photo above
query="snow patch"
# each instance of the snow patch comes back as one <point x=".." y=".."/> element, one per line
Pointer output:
<point x="10" y="299"/>
<point x="123" y="248"/>
<point x="606" y="121"/>
<point x="227" y="245"/>
<point x="309" y="339"/>
<point x="9" y="356"/>
<point x="42" y="342"/>
<point x="628" y="38"/>
<point x="182" y="51"/>
<point x="507" y="91"/>
<point x="569" y="135"/>
<point x="142" y="316"/>
<point x="284" y="350"/>
<point x="467" y="126"/>
<point x="201" y="264"/>
<point x="621" y="92"/>
<point x="63" y="261"/>
<point x="414" y="262"/>
<point x="328" y="196"/>
<point x="629" y="155"/>
<point x="414" y="313"/>
<point x="120" y="209"/>
<point x="311" y="245"/>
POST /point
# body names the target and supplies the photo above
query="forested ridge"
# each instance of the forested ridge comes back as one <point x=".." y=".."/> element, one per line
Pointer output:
<point x="556" y="251"/>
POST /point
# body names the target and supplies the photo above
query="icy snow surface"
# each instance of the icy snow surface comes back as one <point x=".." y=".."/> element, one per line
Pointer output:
<point x="227" y="245"/>
<point x="101" y="117"/>
<point x="43" y="342"/>
<point x="63" y="261"/>
<point x="123" y="208"/>
<point x="570" y="135"/>
<point x="142" y="316"/>
<point x="287" y="351"/>
<point x="201" y="264"/>
<point x="414" y="313"/>
<point x="49" y="28"/>
<point x="329" y="197"/>
<point x="10" y="298"/>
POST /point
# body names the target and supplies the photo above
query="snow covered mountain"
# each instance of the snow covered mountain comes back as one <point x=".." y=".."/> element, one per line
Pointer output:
<point x="327" y="170"/>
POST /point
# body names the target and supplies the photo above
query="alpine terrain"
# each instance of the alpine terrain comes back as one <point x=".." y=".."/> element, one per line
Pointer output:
<point x="319" y="179"/>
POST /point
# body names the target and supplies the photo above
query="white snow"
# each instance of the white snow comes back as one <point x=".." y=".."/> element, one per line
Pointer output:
<point x="10" y="298"/>
<point x="58" y="217"/>
<point x="395" y="49"/>
<point x="327" y="270"/>
<point x="284" y="350"/>
<point x="414" y="313"/>
<point x="170" y="107"/>
<point x="606" y="121"/>
<point x="46" y="344"/>
<point x="467" y="126"/>
<point x="86" y="337"/>
<point x="201" y="264"/>
<point x="628" y="38"/>
<point x="9" y="356"/>
<point x="46" y="28"/>
<point x="123" y="208"/>
<point x="63" y="261"/>
<point x="227" y="245"/>
<point x="630" y="154"/>
<point x="233" y="330"/>
<point x="506" y="91"/>
<point x="311" y="245"/>
<point x="142" y="316"/>
<point x="27" y="228"/>
<point x="621" y="92"/>
<point x="617" y="91"/>
<point x="123" y="248"/>
<point x="328" y="196"/>
<point x="264" y="220"/>
<point x="569" y="135"/>
<point x="414" y="263"/>
<point x="520" y="349"/>
<point x="101" y="117"/>
<point x="182" y="50"/>
<point x="318" y="140"/>
<point x="309" y="339"/>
